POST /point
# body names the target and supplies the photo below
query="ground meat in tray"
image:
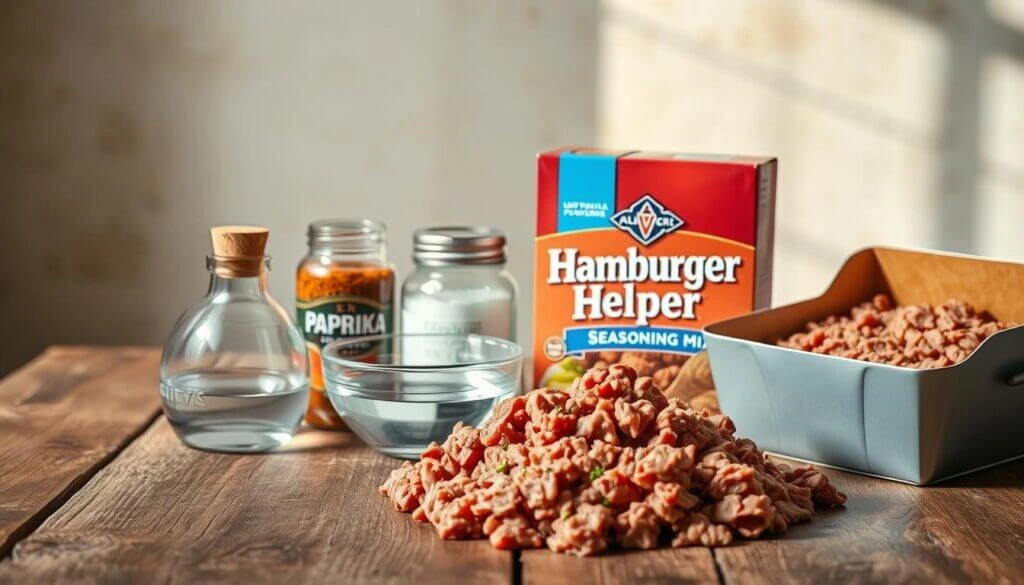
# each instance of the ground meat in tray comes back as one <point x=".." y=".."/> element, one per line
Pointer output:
<point x="915" y="336"/>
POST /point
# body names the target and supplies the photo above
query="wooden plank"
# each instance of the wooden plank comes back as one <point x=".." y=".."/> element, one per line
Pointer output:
<point x="966" y="530"/>
<point x="62" y="417"/>
<point x="691" y="565"/>
<point x="163" y="513"/>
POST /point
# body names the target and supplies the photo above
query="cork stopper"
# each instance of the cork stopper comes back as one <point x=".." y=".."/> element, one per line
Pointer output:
<point x="239" y="250"/>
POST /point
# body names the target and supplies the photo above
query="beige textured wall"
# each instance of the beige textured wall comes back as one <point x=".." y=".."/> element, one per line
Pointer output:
<point x="897" y="123"/>
<point x="127" y="128"/>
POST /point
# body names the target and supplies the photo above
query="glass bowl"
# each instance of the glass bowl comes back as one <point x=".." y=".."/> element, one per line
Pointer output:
<point x="419" y="386"/>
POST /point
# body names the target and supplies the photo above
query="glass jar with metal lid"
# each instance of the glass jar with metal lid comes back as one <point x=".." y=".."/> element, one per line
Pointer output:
<point x="460" y="284"/>
<point x="344" y="289"/>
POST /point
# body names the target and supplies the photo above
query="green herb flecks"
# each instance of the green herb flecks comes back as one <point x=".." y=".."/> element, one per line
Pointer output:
<point x="502" y="467"/>
<point x="596" y="472"/>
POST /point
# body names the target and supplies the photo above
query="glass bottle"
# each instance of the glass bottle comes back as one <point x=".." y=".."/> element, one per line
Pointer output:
<point x="344" y="289"/>
<point x="234" y="375"/>
<point x="460" y="284"/>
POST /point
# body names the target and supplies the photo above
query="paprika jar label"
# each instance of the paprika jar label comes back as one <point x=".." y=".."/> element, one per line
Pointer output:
<point x="343" y="317"/>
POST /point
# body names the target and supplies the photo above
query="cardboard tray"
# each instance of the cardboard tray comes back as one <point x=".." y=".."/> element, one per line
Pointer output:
<point x="917" y="426"/>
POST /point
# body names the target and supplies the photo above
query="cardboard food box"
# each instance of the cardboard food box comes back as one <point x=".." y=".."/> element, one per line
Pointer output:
<point x="917" y="426"/>
<point x="636" y="251"/>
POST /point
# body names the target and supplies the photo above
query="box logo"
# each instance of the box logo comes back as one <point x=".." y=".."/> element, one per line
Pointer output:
<point x="647" y="220"/>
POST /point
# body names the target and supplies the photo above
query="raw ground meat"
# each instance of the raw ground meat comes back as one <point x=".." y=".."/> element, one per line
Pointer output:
<point x="660" y="366"/>
<point x="606" y="462"/>
<point x="914" y="336"/>
<point x="697" y="388"/>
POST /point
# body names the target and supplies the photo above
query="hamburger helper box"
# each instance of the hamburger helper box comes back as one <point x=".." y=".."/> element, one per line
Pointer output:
<point x="637" y="251"/>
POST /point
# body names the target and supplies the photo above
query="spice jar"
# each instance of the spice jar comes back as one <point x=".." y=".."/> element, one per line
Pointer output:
<point x="460" y="284"/>
<point x="344" y="289"/>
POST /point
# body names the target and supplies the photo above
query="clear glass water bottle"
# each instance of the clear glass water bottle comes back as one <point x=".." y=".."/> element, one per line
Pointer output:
<point x="234" y="375"/>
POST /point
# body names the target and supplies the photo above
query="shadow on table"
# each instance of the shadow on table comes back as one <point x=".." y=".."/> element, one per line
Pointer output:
<point x="1008" y="474"/>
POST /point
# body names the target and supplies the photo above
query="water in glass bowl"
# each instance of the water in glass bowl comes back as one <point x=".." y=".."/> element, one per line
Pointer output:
<point x="235" y="409"/>
<point x="399" y="414"/>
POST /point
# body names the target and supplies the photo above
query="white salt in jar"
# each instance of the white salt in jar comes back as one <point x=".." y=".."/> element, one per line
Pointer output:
<point x="460" y="284"/>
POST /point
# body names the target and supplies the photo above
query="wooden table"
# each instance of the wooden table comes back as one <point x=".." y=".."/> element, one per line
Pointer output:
<point x="95" y="487"/>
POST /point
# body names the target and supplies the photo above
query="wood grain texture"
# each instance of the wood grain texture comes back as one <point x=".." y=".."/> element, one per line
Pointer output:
<point x="691" y="565"/>
<point x="966" y="530"/>
<point x="62" y="417"/>
<point x="163" y="513"/>
<point x="143" y="508"/>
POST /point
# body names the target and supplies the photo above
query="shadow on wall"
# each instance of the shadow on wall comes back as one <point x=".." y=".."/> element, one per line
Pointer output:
<point x="972" y="34"/>
<point x="912" y="107"/>
<point x="125" y="132"/>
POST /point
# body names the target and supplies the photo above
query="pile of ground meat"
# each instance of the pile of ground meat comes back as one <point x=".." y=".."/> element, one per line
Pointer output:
<point x="609" y="461"/>
<point x="697" y="387"/>
<point x="914" y="336"/>
<point x="661" y="367"/>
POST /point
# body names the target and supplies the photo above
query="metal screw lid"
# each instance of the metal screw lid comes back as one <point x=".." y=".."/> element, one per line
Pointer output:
<point x="458" y="245"/>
